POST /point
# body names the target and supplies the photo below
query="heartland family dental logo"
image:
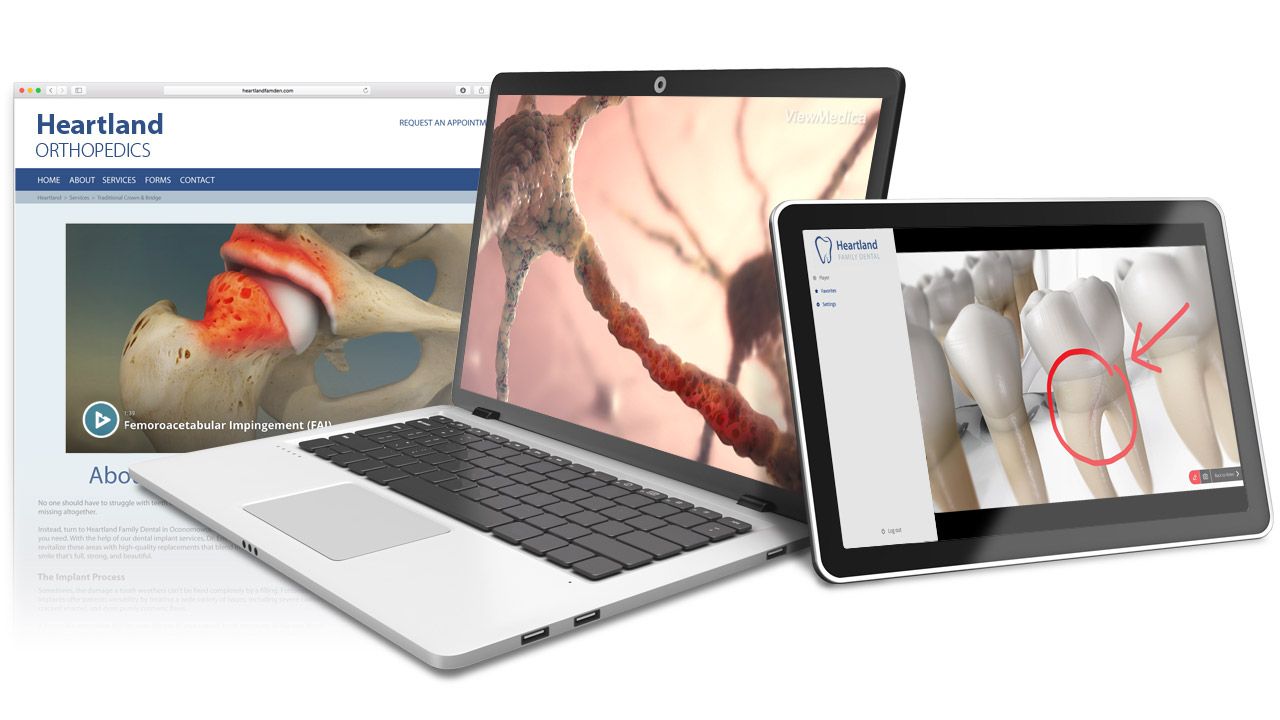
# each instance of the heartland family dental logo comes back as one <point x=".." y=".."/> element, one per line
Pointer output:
<point x="822" y="245"/>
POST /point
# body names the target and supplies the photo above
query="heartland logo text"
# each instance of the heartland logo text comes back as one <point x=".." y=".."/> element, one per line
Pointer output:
<point x="857" y="245"/>
<point x="825" y="117"/>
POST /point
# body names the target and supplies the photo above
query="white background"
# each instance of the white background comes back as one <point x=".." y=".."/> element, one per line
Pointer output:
<point x="1017" y="100"/>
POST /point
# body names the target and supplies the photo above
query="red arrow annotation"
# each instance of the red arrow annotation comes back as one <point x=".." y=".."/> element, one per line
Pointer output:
<point x="1136" y="353"/>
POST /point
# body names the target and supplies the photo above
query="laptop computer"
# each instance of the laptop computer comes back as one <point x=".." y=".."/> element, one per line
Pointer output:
<point x="620" y="426"/>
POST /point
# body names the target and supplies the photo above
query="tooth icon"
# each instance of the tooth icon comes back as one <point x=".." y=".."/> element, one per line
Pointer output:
<point x="982" y="348"/>
<point x="993" y="287"/>
<point x="949" y="477"/>
<point x="822" y="244"/>
<point x="1192" y="382"/>
<point x="1101" y="310"/>
<point x="1024" y="276"/>
<point x="916" y="306"/>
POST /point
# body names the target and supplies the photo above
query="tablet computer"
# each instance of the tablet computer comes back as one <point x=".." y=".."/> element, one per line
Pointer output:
<point x="980" y="383"/>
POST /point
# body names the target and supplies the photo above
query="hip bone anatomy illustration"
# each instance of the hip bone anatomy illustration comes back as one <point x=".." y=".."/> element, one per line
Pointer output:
<point x="966" y="329"/>
<point x="291" y="294"/>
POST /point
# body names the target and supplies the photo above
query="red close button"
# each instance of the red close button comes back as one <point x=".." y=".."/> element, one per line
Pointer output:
<point x="1194" y="476"/>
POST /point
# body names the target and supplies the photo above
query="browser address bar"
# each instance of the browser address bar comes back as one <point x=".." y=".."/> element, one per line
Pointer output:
<point x="266" y="90"/>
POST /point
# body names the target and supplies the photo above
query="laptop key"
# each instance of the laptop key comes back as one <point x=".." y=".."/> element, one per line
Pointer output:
<point x="568" y="555"/>
<point x="503" y="452"/>
<point x="527" y="477"/>
<point x="313" y="445"/>
<point x="365" y="466"/>
<point x="543" y="544"/>
<point x="506" y="470"/>
<point x="457" y="485"/>
<point x="653" y="494"/>
<point x="520" y="511"/>
<point x="617" y="512"/>
<point x="659" y="510"/>
<point x="537" y="453"/>
<point x="486" y="462"/>
<point x="325" y="453"/>
<point x="557" y="460"/>
<point x="565" y="474"/>
<point x="685" y="520"/>
<point x="686" y="539"/>
<point x="516" y="490"/>
<point x="580" y="468"/>
<point x="402" y="444"/>
<point x="634" y="500"/>
<point x="453" y="465"/>
<point x="480" y="494"/>
<point x="539" y="499"/>
<point x="603" y="476"/>
<point x="483" y="446"/>
<point x="678" y="503"/>
<point x="609" y="492"/>
<point x="494" y="481"/>
<point x="569" y="531"/>
<point x="474" y="473"/>
<point x="705" y="514"/>
<point x="382" y="476"/>
<point x="655" y="546"/>
<point x="516" y="532"/>
<point x="597" y="568"/>
<point x="591" y="503"/>
<point x="645" y="522"/>
<point x="420" y="468"/>
<point x="628" y="556"/>
<point x="586" y="518"/>
<point x="468" y="454"/>
<point x="573" y="495"/>
<point x="398" y="460"/>
<point x="522" y="460"/>
<point x="550" y="486"/>
<point x="381" y="430"/>
<point x="517" y="446"/>
<point x="347" y="458"/>
<point x="586" y="483"/>
<point x="715" y="531"/>
<point x="613" y="528"/>
<point x="735" y="523"/>
<point x="562" y="508"/>
<point x="546" y="521"/>
<point x="542" y="467"/>
<point x="626" y="485"/>
<point x="451" y="504"/>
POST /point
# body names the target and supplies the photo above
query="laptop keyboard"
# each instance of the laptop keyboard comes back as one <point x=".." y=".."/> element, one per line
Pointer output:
<point x="574" y="516"/>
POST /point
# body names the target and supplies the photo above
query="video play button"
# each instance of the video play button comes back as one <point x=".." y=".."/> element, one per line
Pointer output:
<point x="101" y="419"/>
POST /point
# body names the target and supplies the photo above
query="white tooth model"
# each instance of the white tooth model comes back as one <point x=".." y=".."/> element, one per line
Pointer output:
<point x="1024" y="275"/>
<point x="1101" y="310"/>
<point x="982" y="348"/>
<point x="916" y="306"/>
<point x="1152" y="290"/>
<point x="993" y="287"/>
<point x="949" y="477"/>
<point x="1083" y="388"/>
<point x="947" y="293"/>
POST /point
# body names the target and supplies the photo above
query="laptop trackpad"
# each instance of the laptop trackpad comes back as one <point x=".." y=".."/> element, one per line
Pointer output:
<point x="345" y="521"/>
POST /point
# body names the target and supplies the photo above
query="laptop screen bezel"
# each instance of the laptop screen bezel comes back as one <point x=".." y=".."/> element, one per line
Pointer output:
<point x="883" y="83"/>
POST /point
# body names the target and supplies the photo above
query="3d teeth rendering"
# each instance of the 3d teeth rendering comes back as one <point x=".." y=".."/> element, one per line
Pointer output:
<point x="916" y="306"/>
<point x="982" y="348"/>
<point x="949" y="477"/>
<point x="1101" y="310"/>
<point x="1024" y="276"/>
<point x="1196" y="266"/>
<point x="993" y="287"/>
<point x="946" y="294"/>
<point x="1152" y="291"/>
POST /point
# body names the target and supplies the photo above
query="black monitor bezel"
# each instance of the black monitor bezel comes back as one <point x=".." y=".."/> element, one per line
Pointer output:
<point x="1116" y="532"/>
<point x="883" y="83"/>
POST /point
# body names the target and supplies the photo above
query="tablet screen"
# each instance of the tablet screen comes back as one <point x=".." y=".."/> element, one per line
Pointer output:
<point x="1079" y="381"/>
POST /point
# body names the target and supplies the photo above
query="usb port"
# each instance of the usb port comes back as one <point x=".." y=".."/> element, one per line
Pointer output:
<point x="775" y="552"/>
<point x="534" y="636"/>
<point x="585" y="618"/>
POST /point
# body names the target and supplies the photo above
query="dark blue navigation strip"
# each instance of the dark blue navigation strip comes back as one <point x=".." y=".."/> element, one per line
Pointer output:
<point x="251" y="179"/>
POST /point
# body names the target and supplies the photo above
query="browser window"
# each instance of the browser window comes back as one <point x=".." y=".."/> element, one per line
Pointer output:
<point x="205" y="264"/>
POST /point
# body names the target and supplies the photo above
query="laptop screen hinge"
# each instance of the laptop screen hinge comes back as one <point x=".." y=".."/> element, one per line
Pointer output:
<point x="486" y="413"/>
<point x="755" y="503"/>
